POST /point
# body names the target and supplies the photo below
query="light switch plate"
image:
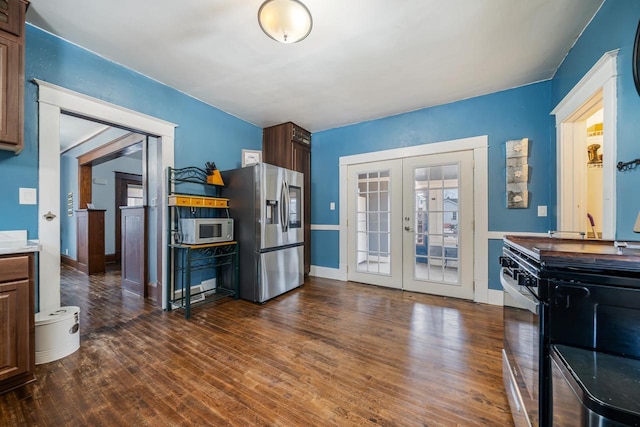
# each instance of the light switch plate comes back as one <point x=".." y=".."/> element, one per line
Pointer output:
<point x="542" y="211"/>
<point x="28" y="196"/>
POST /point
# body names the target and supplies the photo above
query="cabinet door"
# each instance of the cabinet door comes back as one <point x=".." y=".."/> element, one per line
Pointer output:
<point x="10" y="90"/>
<point x="14" y="329"/>
<point x="302" y="163"/>
<point x="12" y="16"/>
<point x="276" y="146"/>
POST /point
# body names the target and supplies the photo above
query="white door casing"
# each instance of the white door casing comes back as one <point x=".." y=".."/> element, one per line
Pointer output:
<point x="570" y="114"/>
<point x="52" y="100"/>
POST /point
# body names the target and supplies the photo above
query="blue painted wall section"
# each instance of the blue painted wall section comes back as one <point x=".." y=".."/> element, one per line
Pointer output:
<point x="203" y="133"/>
<point x="513" y="114"/>
<point x="613" y="27"/>
<point x="206" y="133"/>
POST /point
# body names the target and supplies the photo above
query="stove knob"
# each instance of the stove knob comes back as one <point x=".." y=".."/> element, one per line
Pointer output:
<point x="508" y="262"/>
<point x="523" y="280"/>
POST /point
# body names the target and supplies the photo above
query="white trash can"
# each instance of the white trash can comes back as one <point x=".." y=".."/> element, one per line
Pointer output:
<point x="57" y="333"/>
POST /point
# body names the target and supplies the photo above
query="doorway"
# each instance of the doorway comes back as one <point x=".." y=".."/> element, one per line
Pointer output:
<point x="385" y="261"/>
<point x="586" y="153"/>
<point x="129" y="192"/>
<point x="52" y="101"/>
<point x="413" y="223"/>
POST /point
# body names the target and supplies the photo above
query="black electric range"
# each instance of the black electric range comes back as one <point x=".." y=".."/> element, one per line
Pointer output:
<point x="579" y="293"/>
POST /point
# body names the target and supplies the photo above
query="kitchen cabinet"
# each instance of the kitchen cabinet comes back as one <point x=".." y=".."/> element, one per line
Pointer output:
<point x="17" y="334"/>
<point x="289" y="146"/>
<point x="12" y="19"/>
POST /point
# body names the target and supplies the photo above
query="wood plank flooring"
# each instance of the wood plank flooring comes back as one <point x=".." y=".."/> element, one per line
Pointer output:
<point x="329" y="353"/>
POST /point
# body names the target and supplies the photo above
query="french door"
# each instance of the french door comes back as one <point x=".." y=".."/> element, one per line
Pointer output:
<point x="410" y="224"/>
<point x="374" y="216"/>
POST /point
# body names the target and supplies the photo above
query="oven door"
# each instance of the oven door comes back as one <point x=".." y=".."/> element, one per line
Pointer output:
<point x="521" y="353"/>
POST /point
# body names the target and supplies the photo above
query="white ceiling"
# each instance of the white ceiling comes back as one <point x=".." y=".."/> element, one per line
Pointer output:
<point x="74" y="131"/>
<point x="363" y="59"/>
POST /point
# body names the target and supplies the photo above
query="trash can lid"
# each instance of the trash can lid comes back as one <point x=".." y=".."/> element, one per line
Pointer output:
<point x="56" y="315"/>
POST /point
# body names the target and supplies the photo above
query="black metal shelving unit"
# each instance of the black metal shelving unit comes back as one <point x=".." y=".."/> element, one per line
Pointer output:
<point x="184" y="260"/>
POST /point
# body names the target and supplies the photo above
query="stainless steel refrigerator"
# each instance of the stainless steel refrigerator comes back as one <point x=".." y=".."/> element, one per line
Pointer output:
<point x="266" y="204"/>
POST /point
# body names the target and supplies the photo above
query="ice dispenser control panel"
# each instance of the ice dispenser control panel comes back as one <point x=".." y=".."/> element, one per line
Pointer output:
<point x="272" y="212"/>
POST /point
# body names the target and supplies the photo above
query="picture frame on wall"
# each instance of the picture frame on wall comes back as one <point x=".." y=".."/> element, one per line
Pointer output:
<point x="251" y="157"/>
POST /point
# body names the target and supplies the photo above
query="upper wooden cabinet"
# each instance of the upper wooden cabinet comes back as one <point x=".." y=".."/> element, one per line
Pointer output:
<point x="12" y="18"/>
<point x="289" y="146"/>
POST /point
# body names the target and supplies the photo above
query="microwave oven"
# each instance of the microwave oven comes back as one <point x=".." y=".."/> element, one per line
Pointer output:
<point x="199" y="231"/>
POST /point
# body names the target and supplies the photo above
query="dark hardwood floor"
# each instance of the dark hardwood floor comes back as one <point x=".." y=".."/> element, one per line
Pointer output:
<point x="329" y="353"/>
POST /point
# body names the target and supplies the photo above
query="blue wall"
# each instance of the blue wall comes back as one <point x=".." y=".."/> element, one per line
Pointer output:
<point x="203" y="133"/>
<point x="613" y="27"/>
<point x="513" y="114"/>
<point x="204" y="130"/>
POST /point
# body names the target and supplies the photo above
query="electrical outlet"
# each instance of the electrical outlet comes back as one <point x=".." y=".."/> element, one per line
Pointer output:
<point x="542" y="211"/>
<point x="332" y="206"/>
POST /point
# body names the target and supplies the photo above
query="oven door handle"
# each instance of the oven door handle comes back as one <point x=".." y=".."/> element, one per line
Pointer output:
<point x="528" y="302"/>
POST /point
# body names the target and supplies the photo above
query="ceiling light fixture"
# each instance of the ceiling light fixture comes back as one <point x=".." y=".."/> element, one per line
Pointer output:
<point x="285" y="21"/>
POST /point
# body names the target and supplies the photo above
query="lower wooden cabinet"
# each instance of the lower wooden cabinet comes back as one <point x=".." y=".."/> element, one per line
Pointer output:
<point x="17" y="321"/>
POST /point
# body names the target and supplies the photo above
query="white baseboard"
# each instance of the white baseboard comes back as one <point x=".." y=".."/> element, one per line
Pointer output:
<point x="496" y="297"/>
<point x="328" y="273"/>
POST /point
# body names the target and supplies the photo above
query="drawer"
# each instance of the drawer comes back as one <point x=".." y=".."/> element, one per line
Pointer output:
<point x="197" y="201"/>
<point x="216" y="203"/>
<point x="14" y="268"/>
<point x="179" y="201"/>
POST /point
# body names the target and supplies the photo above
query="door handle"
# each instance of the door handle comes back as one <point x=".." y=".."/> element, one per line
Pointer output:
<point x="49" y="216"/>
<point x="407" y="228"/>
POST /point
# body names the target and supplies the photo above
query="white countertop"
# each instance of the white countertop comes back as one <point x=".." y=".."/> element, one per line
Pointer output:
<point x="15" y="242"/>
<point x="9" y="247"/>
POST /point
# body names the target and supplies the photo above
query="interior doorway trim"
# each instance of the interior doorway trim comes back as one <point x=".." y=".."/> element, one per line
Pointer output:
<point x="479" y="145"/>
<point x="601" y="77"/>
<point x="52" y="100"/>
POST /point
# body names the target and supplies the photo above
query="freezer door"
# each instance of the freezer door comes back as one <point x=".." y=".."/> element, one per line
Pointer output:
<point x="281" y="211"/>
<point x="280" y="271"/>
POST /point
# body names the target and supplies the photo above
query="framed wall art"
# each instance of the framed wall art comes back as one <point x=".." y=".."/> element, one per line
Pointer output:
<point x="251" y="157"/>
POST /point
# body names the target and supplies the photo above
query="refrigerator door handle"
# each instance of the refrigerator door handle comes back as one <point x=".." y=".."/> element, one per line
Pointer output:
<point x="283" y="207"/>
<point x="288" y="206"/>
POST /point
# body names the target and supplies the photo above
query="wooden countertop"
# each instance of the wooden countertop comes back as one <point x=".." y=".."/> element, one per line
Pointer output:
<point x="550" y="251"/>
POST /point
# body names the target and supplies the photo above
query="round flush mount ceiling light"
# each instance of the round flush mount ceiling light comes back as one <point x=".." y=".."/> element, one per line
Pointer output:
<point x="285" y="21"/>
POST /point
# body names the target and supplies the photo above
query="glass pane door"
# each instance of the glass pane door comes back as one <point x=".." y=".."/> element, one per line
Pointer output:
<point x="374" y="216"/>
<point x="436" y="223"/>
